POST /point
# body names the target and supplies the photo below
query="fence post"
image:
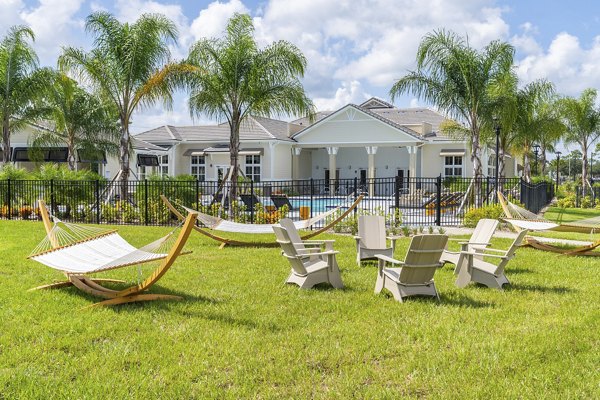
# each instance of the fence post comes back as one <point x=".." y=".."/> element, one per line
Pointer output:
<point x="355" y="193"/>
<point x="97" y="190"/>
<point x="396" y="192"/>
<point x="9" y="200"/>
<point x="252" y="201"/>
<point x="438" y="202"/>
<point x="52" y="204"/>
<point x="197" y="194"/>
<point x="145" y="201"/>
<point x="312" y="193"/>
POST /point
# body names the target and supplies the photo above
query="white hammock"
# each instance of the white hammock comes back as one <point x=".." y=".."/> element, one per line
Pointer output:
<point x="220" y="224"/>
<point x="531" y="225"/>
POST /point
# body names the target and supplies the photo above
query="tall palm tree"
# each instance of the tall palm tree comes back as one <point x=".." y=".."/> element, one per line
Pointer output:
<point x="553" y="132"/>
<point x="21" y="83"/>
<point x="78" y="119"/>
<point x="582" y="120"/>
<point x="456" y="78"/>
<point x="122" y="66"/>
<point x="232" y="78"/>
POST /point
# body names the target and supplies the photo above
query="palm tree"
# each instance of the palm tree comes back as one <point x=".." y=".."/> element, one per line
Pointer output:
<point x="21" y="83"/>
<point x="78" y="119"/>
<point x="231" y="79"/>
<point x="123" y="65"/>
<point x="457" y="78"/>
<point x="582" y="120"/>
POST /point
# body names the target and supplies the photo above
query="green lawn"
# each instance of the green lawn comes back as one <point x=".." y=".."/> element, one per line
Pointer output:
<point x="242" y="333"/>
<point x="565" y="215"/>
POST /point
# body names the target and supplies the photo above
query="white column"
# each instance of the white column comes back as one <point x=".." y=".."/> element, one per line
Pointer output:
<point x="412" y="167"/>
<point x="296" y="162"/>
<point x="371" y="151"/>
<point x="272" y="159"/>
<point x="332" y="151"/>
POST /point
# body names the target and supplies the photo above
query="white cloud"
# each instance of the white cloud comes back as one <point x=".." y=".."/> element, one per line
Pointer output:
<point x="10" y="14"/>
<point x="349" y="92"/>
<point x="212" y="20"/>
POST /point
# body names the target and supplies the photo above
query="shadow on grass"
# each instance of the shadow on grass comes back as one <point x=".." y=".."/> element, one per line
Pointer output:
<point x="231" y="320"/>
<point x="454" y="301"/>
<point x="538" y="288"/>
<point x="516" y="271"/>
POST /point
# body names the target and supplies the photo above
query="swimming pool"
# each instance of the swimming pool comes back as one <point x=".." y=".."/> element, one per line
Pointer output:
<point x="319" y="205"/>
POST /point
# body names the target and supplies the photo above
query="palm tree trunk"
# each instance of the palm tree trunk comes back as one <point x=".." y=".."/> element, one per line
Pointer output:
<point x="5" y="139"/>
<point x="501" y="167"/>
<point x="543" y="159"/>
<point x="476" y="160"/>
<point x="526" y="167"/>
<point x="234" y="148"/>
<point x="584" y="167"/>
<point x="124" y="157"/>
<point x="71" y="155"/>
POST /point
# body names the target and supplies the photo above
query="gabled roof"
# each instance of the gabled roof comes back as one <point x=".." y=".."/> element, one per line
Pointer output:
<point x="305" y="121"/>
<point x="376" y="116"/>
<point x="138" y="144"/>
<point x="375" y="102"/>
<point x="412" y="116"/>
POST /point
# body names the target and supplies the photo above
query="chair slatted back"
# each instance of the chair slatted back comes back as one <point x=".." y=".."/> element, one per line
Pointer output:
<point x="289" y="251"/>
<point x="371" y="229"/>
<point x="292" y="233"/>
<point x="423" y="258"/>
<point x="483" y="233"/>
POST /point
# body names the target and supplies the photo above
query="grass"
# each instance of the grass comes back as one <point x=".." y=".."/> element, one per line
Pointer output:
<point x="242" y="333"/>
<point x="565" y="215"/>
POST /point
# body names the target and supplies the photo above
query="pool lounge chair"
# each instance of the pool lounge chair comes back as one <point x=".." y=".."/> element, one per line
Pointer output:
<point x="250" y="201"/>
<point x="474" y="268"/>
<point x="415" y="275"/>
<point x="480" y="239"/>
<point x="371" y="238"/>
<point x="308" y="269"/>
<point x="281" y="200"/>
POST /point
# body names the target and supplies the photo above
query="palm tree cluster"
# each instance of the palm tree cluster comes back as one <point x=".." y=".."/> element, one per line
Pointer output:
<point x="92" y="97"/>
<point x="480" y="90"/>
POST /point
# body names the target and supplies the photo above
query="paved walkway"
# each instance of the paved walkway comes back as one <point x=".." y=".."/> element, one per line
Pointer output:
<point x="511" y="235"/>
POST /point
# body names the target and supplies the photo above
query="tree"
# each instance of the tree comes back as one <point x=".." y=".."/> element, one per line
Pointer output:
<point x="21" y="83"/>
<point x="582" y="120"/>
<point x="123" y="66"/>
<point x="78" y="119"/>
<point x="457" y="78"/>
<point x="232" y="78"/>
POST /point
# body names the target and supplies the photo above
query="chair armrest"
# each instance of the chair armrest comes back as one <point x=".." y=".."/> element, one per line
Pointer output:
<point x="325" y="253"/>
<point x="393" y="237"/>
<point x="388" y="259"/>
<point x="495" y="250"/>
<point x="476" y="243"/>
<point x="357" y="237"/>
<point x="468" y="253"/>
<point x="318" y="241"/>
<point x="310" y="250"/>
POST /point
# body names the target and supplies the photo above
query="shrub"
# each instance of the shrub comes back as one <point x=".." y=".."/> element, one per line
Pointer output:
<point x="25" y="212"/>
<point x="472" y="217"/>
<point x="586" y="202"/>
<point x="567" y="202"/>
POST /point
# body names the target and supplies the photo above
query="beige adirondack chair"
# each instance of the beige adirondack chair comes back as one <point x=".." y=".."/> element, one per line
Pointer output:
<point x="371" y="238"/>
<point x="415" y="275"/>
<point x="479" y="240"/>
<point x="473" y="267"/>
<point x="304" y="246"/>
<point x="309" y="269"/>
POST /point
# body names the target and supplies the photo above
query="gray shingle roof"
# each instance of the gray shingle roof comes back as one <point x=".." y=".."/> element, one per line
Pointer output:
<point x="411" y="116"/>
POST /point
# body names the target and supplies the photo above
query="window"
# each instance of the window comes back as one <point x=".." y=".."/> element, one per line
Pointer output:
<point x="163" y="168"/>
<point x="199" y="168"/>
<point x="491" y="165"/>
<point x="253" y="167"/>
<point x="453" y="166"/>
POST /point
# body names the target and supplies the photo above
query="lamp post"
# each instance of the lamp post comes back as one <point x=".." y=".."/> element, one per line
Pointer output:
<point x="558" y="153"/>
<point x="592" y="167"/>
<point x="536" y="150"/>
<point x="497" y="177"/>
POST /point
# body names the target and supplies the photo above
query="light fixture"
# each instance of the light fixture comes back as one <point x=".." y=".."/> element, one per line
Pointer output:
<point x="317" y="167"/>
<point x="349" y="166"/>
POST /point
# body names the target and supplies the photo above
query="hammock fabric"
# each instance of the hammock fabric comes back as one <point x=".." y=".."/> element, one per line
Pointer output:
<point x="229" y="226"/>
<point x="78" y="251"/>
<point x="521" y="218"/>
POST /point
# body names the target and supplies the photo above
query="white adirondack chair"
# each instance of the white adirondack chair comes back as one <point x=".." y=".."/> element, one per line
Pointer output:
<point x="478" y="242"/>
<point x="304" y="246"/>
<point x="415" y="275"/>
<point x="472" y="266"/>
<point x="371" y="238"/>
<point x="309" y="269"/>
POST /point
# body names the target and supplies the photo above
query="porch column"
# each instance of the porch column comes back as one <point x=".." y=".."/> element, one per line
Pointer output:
<point x="412" y="168"/>
<point x="272" y="160"/>
<point x="296" y="162"/>
<point x="332" y="151"/>
<point x="371" y="151"/>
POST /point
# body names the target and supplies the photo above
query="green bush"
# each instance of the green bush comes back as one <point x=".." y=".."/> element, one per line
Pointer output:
<point x="586" y="202"/>
<point x="567" y="201"/>
<point x="492" y="211"/>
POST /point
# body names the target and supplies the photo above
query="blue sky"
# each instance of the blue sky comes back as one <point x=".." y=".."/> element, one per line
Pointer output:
<point x="356" y="48"/>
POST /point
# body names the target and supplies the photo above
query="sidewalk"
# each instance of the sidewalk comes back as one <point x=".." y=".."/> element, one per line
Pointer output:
<point x="455" y="231"/>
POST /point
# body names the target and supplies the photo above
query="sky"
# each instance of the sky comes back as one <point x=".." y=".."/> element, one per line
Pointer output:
<point x="356" y="49"/>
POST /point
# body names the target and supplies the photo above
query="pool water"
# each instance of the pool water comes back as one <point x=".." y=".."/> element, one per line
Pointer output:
<point x="318" y="205"/>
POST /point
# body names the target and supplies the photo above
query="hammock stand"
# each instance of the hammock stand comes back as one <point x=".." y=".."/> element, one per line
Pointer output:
<point x="59" y="256"/>
<point x="232" y="242"/>
<point x="521" y="218"/>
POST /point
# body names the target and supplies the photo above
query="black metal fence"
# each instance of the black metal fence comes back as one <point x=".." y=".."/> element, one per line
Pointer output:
<point x="587" y="198"/>
<point x="403" y="201"/>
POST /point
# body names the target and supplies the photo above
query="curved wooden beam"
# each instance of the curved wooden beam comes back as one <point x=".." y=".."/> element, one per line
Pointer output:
<point x="578" y="251"/>
<point x="335" y="221"/>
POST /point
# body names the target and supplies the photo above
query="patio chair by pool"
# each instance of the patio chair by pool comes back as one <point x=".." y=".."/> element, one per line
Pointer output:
<point x="480" y="239"/>
<point x="281" y="200"/>
<point x="414" y="277"/>
<point x="308" y="269"/>
<point x="304" y="246"/>
<point x="250" y="201"/>
<point x="474" y="268"/>
<point x="371" y="238"/>
<point x="79" y="251"/>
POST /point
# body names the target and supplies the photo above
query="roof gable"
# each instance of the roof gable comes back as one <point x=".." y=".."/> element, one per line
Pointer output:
<point x="374" y="102"/>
